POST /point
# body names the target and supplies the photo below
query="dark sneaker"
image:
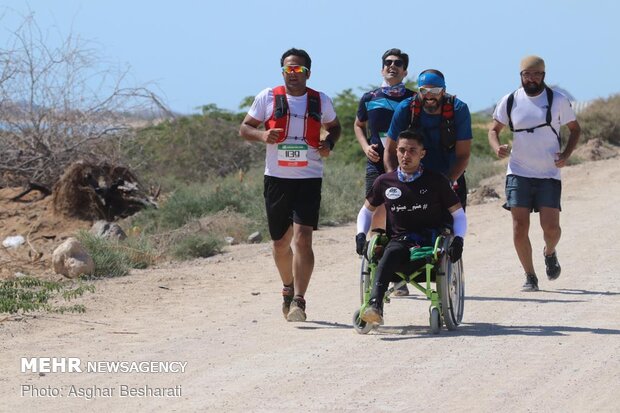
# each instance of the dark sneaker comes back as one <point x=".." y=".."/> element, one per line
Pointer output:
<point x="531" y="283"/>
<point x="553" y="266"/>
<point x="401" y="291"/>
<point x="298" y="310"/>
<point x="287" y="298"/>
<point x="372" y="315"/>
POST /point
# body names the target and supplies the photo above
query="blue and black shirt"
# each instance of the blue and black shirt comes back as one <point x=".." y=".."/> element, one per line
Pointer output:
<point x="376" y="109"/>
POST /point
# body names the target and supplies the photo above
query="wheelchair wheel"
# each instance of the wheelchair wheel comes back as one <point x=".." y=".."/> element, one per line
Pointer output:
<point x="435" y="320"/>
<point x="364" y="279"/>
<point x="451" y="288"/>
<point x="361" y="327"/>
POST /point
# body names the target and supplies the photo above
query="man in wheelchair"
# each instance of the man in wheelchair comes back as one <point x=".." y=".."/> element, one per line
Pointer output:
<point x="417" y="203"/>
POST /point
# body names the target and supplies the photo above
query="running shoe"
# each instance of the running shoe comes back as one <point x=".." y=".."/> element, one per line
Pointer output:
<point x="297" y="311"/>
<point x="531" y="283"/>
<point x="553" y="266"/>
<point x="287" y="297"/>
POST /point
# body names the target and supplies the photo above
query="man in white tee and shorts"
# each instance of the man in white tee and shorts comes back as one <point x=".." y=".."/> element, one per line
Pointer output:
<point x="534" y="113"/>
<point x="293" y="115"/>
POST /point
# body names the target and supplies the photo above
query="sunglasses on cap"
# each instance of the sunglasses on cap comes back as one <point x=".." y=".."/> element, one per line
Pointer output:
<point x="395" y="62"/>
<point x="431" y="90"/>
<point x="294" y="69"/>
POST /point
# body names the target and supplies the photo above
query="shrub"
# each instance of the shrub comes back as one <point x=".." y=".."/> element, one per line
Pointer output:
<point x="480" y="147"/>
<point x="114" y="258"/>
<point x="30" y="294"/>
<point x="197" y="245"/>
<point x="601" y="120"/>
<point x="347" y="149"/>
<point x="191" y="149"/>
<point x="342" y="192"/>
<point x="481" y="167"/>
<point x="240" y="193"/>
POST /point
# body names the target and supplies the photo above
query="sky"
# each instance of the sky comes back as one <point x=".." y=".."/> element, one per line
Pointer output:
<point x="195" y="53"/>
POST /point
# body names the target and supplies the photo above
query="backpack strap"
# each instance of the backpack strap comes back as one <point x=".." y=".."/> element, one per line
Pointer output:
<point x="312" y="124"/>
<point x="279" y="118"/>
<point x="314" y="104"/>
<point x="550" y="102"/>
<point x="415" y="107"/>
<point x="280" y="104"/>
<point x="447" y="129"/>
<point x="510" y="103"/>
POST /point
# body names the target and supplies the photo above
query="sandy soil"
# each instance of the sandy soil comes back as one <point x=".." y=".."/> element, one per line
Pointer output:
<point x="557" y="350"/>
<point x="33" y="219"/>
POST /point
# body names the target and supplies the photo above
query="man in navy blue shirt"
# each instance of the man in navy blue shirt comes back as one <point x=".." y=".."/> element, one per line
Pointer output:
<point x="446" y="124"/>
<point x="374" y="115"/>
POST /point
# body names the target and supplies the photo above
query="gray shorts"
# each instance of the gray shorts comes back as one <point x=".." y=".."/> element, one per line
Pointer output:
<point x="532" y="193"/>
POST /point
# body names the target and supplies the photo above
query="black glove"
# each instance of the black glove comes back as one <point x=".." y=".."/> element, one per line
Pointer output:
<point x="360" y="243"/>
<point x="455" y="251"/>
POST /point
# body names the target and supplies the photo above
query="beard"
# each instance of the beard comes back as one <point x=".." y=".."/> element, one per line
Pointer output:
<point x="430" y="105"/>
<point x="532" y="88"/>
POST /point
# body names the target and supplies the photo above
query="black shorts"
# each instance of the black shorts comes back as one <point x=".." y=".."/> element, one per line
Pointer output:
<point x="291" y="200"/>
<point x="371" y="177"/>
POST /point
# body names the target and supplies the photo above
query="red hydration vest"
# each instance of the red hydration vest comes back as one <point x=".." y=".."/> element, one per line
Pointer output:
<point x="447" y="128"/>
<point x="281" y="116"/>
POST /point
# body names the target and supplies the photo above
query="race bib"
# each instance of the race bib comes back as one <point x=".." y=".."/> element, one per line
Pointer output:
<point x="293" y="155"/>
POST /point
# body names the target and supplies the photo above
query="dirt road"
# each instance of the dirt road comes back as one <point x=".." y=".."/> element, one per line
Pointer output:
<point x="557" y="350"/>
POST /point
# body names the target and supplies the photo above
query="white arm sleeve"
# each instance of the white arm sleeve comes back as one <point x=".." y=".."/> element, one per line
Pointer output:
<point x="364" y="218"/>
<point x="460" y="223"/>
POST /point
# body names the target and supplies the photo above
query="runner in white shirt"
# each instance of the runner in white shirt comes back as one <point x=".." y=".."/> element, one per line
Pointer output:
<point x="535" y="114"/>
<point x="280" y="160"/>
<point x="293" y="115"/>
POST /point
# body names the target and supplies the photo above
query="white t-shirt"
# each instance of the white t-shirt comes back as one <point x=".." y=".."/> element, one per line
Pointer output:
<point x="292" y="158"/>
<point x="533" y="154"/>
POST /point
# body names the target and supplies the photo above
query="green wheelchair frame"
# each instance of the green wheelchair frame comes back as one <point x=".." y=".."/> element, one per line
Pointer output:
<point x="447" y="299"/>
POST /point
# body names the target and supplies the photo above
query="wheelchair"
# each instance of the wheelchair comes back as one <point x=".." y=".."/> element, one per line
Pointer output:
<point x="436" y="277"/>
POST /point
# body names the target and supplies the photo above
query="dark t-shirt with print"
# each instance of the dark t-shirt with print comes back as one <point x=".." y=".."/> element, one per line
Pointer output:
<point x="413" y="207"/>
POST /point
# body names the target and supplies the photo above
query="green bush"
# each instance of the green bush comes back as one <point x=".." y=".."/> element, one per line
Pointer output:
<point x="241" y="192"/>
<point x="27" y="294"/>
<point x="342" y="195"/>
<point x="342" y="192"/>
<point x="482" y="161"/>
<point x="481" y="167"/>
<point x="480" y="147"/>
<point x="347" y="149"/>
<point x="191" y="148"/>
<point x="197" y="245"/>
<point x="601" y="120"/>
<point x="115" y="258"/>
